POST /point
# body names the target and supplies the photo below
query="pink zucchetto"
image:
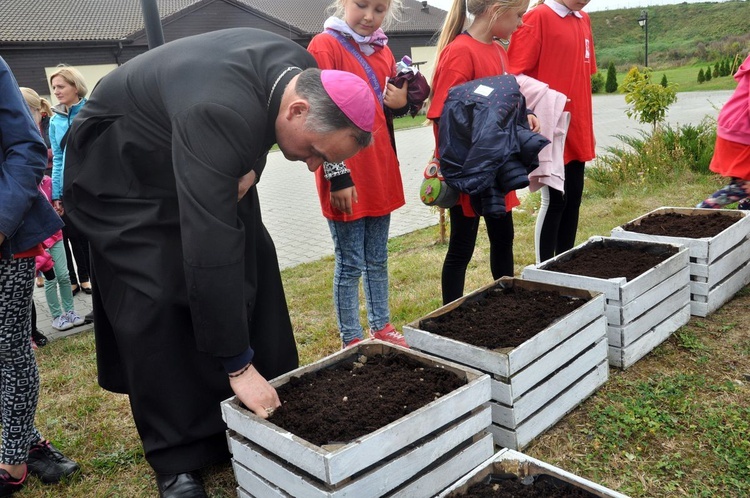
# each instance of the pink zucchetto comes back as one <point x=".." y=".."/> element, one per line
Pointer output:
<point x="352" y="95"/>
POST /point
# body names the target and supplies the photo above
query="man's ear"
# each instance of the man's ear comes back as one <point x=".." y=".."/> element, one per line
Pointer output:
<point x="297" y="108"/>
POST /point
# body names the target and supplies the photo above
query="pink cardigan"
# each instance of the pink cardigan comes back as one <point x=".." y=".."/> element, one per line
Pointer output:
<point x="733" y="123"/>
<point x="45" y="187"/>
<point x="548" y="106"/>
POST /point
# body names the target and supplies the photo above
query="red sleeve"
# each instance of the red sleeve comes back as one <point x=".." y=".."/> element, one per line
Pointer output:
<point x="525" y="47"/>
<point x="451" y="70"/>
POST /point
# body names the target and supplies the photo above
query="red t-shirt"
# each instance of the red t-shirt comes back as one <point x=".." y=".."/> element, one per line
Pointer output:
<point x="466" y="59"/>
<point x="560" y="52"/>
<point x="375" y="170"/>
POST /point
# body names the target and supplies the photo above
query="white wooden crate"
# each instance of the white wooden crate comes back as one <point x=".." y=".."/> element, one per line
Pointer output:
<point x="536" y="383"/>
<point x="719" y="265"/>
<point x="641" y="313"/>
<point x="513" y="462"/>
<point x="327" y="469"/>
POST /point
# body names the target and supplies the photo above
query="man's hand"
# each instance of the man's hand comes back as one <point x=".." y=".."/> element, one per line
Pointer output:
<point x="255" y="392"/>
<point x="343" y="199"/>
<point x="244" y="184"/>
<point x="58" y="205"/>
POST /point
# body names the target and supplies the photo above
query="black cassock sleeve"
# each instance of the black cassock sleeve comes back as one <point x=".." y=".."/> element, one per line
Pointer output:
<point x="211" y="148"/>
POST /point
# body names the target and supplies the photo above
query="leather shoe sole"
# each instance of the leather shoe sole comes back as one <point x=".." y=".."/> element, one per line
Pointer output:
<point x="185" y="485"/>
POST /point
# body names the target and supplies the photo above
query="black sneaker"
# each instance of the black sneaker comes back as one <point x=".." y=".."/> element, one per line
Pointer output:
<point x="9" y="484"/>
<point x="48" y="464"/>
<point x="39" y="338"/>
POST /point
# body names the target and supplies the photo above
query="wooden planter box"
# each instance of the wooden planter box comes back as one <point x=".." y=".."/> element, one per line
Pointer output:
<point x="719" y="265"/>
<point x="536" y="383"/>
<point x="416" y="455"/>
<point x="513" y="462"/>
<point x="641" y="313"/>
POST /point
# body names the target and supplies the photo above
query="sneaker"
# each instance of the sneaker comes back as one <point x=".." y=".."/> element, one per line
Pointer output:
<point x="351" y="343"/>
<point x="48" y="464"/>
<point x="75" y="318"/>
<point x="62" y="323"/>
<point x="39" y="338"/>
<point x="389" y="334"/>
<point x="744" y="204"/>
<point x="9" y="484"/>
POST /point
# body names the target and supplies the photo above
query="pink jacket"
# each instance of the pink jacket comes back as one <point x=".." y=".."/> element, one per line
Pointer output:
<point x="45" y="187"/>
<point x="548" y="106"/>
<point x="733" y="123"/>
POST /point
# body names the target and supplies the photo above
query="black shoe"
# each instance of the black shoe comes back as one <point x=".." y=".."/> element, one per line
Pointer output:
<point x="39" y="338"/>
<point x="48" y="464"/>
<point x="75" y="289"/>
<point x="9" y="484"/>
<point x="89" y="318"/>
<point x="185" y="485"/>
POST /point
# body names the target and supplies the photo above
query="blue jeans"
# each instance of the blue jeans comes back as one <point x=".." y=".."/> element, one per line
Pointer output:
<point x="361" y="250"/>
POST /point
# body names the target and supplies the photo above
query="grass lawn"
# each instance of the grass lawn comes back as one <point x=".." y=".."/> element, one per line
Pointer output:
<point x="674" y="424"/>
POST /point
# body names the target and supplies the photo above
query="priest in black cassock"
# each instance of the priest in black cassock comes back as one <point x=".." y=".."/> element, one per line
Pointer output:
<point x="160" y="173"/>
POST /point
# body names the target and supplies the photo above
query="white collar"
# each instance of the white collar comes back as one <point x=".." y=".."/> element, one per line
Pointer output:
<point x="560" y="9"/>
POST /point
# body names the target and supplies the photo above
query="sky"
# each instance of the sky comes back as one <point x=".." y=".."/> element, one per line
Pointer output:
<point x="599" y="4"/>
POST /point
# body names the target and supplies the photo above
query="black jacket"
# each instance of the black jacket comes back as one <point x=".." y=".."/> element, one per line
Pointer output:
<point x="486" y="146"/>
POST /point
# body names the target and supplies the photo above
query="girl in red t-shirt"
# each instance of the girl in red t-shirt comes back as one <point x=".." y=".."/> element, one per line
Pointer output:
<point x="359" y="217"/>
<point x="465" y="55"/>
<point x="556" y="46"/>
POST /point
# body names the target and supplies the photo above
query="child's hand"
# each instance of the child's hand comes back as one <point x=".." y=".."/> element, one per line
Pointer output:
<point x="343" y="199"/>
<point x="395" y="97"/>
<point x="534" y="123"/>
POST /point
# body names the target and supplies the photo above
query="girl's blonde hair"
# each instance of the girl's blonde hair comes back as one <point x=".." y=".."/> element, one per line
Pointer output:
<point x="395" y="7"/>
<point x="36" y="102"/>
<point x="456" y="19"/>
<point x="73" y="77"/>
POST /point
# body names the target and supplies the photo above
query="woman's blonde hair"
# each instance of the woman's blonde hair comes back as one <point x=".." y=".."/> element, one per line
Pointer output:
<point x="73" y="77"/>
<point x="456" y="19"/>
<point x="36" y="102"/>
<point x="395" y="7"/>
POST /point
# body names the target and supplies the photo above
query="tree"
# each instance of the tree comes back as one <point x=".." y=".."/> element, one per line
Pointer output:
<point x="701" y="76"/>
<point x="611" y="85"/>
<point x="708" y="73"/>
<point x="648" y="101"/>
<point x="664" y="80"/>
<point x="597" y="82"/>
<point x="716" y="70"/>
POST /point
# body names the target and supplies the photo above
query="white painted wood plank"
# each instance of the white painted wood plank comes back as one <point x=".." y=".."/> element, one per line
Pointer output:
<point x="444" y="475"/>
<point x="728" y="263"/>
<point x="514" y="462"/>
<point x="656" y="275"/>
<point x="610" y="288"/>
<point x="249" y="480"/>
<point x="553" y="412"/>
<point x="386" y="475"/>
<point x="705" y="305"/>
<point x="630" y="332"/>
<point x="653" y="338"/>
<point x="640" y="305"/>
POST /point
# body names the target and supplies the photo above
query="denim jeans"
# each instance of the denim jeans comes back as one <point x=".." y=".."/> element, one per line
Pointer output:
<point x="361" y="250"/>
<point x="61" y="280"/>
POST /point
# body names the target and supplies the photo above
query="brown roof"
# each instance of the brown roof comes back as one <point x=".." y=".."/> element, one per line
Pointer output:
<point x="92" y="20"/>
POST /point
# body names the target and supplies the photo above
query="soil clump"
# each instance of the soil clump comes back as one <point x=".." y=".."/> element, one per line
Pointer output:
<point x="543" y="486"/>
<point x="502" y="317"/>
<point x="682" y="225"/>
<point x="612" y="259"/>
<point x="359" y="395"/>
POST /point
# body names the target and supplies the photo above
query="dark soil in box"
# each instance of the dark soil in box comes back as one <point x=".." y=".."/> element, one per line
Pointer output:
<point x="682" y="225"/>
<point x="612" y="259"/>
<point x="358" y="396"/>
<point x="510" y="486"/>
<point x="502" y="317"/>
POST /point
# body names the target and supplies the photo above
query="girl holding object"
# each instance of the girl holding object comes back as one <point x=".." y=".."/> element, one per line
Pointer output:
<point x="462" y="56"/>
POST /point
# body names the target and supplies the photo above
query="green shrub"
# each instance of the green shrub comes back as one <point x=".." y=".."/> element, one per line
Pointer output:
<point x="664" y="82"/>
<point x="701" y="76"/>
<point x="648" y="102"/>
<point x="653" y="159"/>
<point x="597" y="82"/>
<point x="611" y="85"/>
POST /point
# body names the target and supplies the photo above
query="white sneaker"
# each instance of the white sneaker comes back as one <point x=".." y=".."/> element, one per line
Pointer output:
<point x="74" y="318"/>
<point x="62" y="323"/>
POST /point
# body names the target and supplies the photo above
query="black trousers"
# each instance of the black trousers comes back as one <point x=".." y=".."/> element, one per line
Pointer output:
<point x="559" y="222"/>
<point x="463" y="238"/>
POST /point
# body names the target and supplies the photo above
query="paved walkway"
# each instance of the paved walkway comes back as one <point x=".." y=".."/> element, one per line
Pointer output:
<point x="290" y="202"/>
